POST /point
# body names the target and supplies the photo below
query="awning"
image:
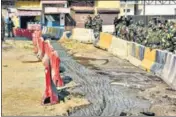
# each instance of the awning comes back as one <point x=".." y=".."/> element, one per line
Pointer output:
<point x="54" y="10"/>
<point x="108" y="10"/>
<point x="28" y="13"/>
<point x="83" y="9"/>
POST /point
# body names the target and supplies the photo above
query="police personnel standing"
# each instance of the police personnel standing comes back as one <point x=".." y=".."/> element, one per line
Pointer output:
<point x="2" y="28"/>
<point x="10" y="26"/>
<point x="97" y="27"/>
<point x="88" y="23"/>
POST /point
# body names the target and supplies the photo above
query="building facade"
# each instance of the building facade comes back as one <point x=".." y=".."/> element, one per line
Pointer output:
<point x="158" y="7"/>
<point x="148" y="7"/>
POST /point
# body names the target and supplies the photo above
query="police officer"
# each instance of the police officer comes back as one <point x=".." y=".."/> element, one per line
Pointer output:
<point x="88" y="23"/>
<point x="10" y="26"/>
<point x="97" y="27"/>
<point x="118" y="26"/>
<point x="2" y="28"/>
<point x="116" y="21"/>
<point x="99" y="22"/>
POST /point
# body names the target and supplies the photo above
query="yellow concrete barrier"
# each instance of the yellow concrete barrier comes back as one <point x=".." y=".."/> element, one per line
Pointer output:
<point x="149" y="59"/>
<point x="119" y="47"/>
<point x="105" y="40"/>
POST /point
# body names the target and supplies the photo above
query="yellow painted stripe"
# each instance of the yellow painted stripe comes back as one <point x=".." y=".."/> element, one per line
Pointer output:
<point x="105" y="40"/>
<point x="149" y="59"/>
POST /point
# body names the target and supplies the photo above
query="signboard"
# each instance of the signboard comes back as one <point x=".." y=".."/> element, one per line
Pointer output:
<point x="53" y="2"/>
<point x="28" y="13"/>
<point x="53" y="10"/>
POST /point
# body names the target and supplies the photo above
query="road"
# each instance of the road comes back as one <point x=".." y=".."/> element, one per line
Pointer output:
<point x="23" y="82"/>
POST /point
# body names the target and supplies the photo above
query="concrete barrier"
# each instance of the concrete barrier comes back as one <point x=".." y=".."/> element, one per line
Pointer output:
<point x="83" y="35"/>
<point x="159" y="63"/>
<point x="52" y="32"/>
<point x="169" y="70"/>
<point x="108" y="28"/>
<point x="59" y="32"/>
<point x="149" y="59"/>
<point x="105" y="41"/>
<point x="119" y="47"/>
<point x="135" y="53"/>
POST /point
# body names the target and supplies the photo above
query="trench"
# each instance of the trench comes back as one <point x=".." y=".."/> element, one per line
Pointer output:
<point x="105" y="99"/>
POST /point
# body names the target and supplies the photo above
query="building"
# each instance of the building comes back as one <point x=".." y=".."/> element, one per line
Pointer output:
<point x="148" y="7"/>
<point x="157" y="7"/>
<point x="127" y="7"/>
<point x="79" y="12"/>
<point x="54" y="12"/>
<point x="107" y="9"/>
<point x="27" y="11"/>
<point x="7" y="6"/>
<point x="49" y="12"/>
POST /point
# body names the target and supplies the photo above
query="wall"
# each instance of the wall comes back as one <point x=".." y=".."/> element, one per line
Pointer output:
<point x="130" y="6"/>
<point x="158" y="10"/>
<point x="106" y="4"/>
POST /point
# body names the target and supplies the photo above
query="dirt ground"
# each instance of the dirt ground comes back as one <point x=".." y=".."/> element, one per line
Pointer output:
<point x="23" y="83"/>
<point x="138" y="82"/>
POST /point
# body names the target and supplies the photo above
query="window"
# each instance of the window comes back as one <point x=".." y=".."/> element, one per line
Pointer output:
<point x="128" y="10"/>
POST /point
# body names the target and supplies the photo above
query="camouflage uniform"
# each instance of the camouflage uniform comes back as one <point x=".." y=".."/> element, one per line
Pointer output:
<point x="152" y="40"/>
<point x="97" y="27"/>
<point x="88" y="23"/>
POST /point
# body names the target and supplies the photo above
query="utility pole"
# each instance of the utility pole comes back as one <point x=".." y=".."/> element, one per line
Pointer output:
<point x="144" y="8"/>
<point x="126" y="5"/>
<point x="144" y="12"/>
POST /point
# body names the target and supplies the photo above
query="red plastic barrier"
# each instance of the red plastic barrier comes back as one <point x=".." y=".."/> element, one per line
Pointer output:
<point x="50" y="95"/>
<point x="35" y="37"/>
<point x="55" y="66"/>
<point x="41" y="47"/>
<point x="18" y="32"/>
<point x="48" y="52"/>
<point x="22" y="32"/>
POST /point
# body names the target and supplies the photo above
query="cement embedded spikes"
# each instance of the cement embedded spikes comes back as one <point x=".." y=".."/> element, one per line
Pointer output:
<point x="105" y="99"/>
